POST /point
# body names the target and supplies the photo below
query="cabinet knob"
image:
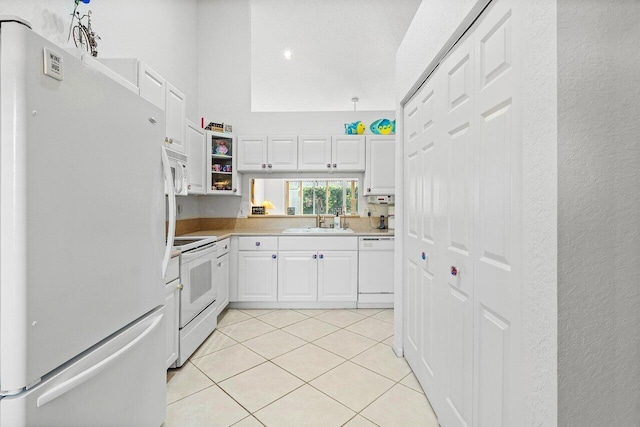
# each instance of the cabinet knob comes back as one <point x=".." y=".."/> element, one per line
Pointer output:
<point x="368" y="190"/>
<point x="180" y="287"/>
<point x="321" y="256"/>
<point x="235" y="190"/>
<point x="166" y="139"/>
<point x="189" y="187"/>
<point x="329" y="165"/>
<point x="226" y="246"/>
<point x="315" y="256"/>
<point x="335" y="165"/>
<point x="170" y="141"/>
<point x="264" y="166"/>
<point x="454" y="271"/>
<point x="273" y="256"/>
<point x="270" y="166"/>
<point x="219" y="264"/>
<point x="424" y="255"/>
<point x="257" y="243"/>
<point x="153" y="120"/>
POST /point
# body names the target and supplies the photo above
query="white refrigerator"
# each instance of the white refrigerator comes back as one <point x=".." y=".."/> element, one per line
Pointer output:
<point x="82" y="238"/>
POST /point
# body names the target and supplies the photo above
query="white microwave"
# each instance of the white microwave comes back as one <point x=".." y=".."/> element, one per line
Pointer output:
<point x="178" y="166"/>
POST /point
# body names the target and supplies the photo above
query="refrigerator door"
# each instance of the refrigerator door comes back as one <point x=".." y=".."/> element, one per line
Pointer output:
<point x="119" y="383"/>
<point x="81" y="208"/>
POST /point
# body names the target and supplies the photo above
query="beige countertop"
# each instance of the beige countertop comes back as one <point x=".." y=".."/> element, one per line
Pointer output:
<point x="224" y="233"/>
<point x="270" y="226"/>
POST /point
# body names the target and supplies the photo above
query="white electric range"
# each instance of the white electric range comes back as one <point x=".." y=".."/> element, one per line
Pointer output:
<point x="198" y="317"/>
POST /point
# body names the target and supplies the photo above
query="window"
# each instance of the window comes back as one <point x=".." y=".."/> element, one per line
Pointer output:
<point x="321" y="196"/>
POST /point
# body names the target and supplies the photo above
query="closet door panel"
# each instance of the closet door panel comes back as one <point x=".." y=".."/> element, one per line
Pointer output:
<point x="412" y="291"/>
<point x="427" y="176"/>
<point x="457" y="265"/>
<point x="497" y="220"/>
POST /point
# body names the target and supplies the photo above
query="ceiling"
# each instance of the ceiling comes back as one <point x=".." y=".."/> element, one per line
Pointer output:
<point x="340" y="49"/>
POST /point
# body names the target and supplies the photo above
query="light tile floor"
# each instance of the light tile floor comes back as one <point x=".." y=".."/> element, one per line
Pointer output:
<point x="281" y="368"/>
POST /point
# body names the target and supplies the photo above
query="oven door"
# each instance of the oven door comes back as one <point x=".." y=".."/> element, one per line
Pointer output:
<point x="196" y="275"/>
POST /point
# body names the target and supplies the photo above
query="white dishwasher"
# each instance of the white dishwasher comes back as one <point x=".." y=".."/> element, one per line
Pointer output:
<point x="375" y="271"/>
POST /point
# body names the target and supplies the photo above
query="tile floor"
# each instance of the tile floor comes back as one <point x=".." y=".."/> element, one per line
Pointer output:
<point x="298" y="368"/>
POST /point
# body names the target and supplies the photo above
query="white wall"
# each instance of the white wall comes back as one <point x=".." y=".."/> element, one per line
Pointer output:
<point x="160" y="32"/>
<point x="599" y="213"/>
<point x="224" y="76"/>
<point x="429" y="36"/>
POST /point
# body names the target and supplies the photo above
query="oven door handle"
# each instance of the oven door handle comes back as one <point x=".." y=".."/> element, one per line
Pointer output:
<point x="171" y="234"/>
<point x="200" y="252"/>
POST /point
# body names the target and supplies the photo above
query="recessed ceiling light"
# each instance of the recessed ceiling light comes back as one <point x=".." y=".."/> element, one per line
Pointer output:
<point x="287" y="54"/>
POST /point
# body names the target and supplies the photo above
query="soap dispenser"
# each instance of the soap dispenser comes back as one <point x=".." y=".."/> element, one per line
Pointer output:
<point x="336" y="221"/>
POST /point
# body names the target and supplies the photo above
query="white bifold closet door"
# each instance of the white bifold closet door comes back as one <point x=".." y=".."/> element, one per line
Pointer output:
<point x="463" y="210"/>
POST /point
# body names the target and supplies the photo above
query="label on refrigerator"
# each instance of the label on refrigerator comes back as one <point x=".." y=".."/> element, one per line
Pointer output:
<point x="53" y="64"/>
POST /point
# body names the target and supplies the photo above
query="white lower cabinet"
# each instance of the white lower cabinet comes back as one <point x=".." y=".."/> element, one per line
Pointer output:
<point x="297" y="275"/>
<point x="338" y="276"/>
<point x="315" y="269"/>
<point x="172" y="311"/>
<point x="222" y="275"/>
<point x="257" y="269"/>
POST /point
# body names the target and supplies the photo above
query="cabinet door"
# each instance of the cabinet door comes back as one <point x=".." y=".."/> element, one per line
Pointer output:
<point x="175" y="117"/>
<point x="220" y="155"/>
<point x="314" y="153"/>
<point x="282" y="153"/>
<point x="222" y="280"/>
<point x="337" y="275"/>
<point x="257" y="276"/>
<point x="380" y="173"/>
<point x="348" y="153"/>
<point x="151" y="85"/>
<point x="252" y="153"/>
<point x="195" y="157"/>
<point x="297" y="276"/>
<point x="172" y="313"/>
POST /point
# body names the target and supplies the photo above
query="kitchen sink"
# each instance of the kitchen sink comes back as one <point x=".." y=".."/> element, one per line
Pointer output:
<point x="316" y="230"/>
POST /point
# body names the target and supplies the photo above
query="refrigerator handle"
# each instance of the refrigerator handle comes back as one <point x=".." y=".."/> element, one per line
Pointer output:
<point x="86" y="375"/>
<point x="172" y="212"/>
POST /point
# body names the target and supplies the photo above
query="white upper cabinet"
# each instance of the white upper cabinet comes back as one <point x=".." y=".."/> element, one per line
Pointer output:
<point x="175" y="117"/>
<point x="329" y="154"/>
<point x="314" y="153"/>
<point x="348" y="153"/>
<point x="252" y="153"/>
<point x="282" y="153"/>
<point x="380" y="172"/>
<point x="151" y="85"/>
<point x="196" y="143"/>
<point x="158" y="91"/>
<point x="267" y="154"/>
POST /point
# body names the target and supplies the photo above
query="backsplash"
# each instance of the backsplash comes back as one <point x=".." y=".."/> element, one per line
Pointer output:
<point x="185" y="226"/>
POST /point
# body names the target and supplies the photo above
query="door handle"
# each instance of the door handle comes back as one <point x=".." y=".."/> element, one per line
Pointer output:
<point x="274" y="256"/>
<point x="424" y="255"/>
<point x="86" y="375"/>
<point x="454" y="271"/>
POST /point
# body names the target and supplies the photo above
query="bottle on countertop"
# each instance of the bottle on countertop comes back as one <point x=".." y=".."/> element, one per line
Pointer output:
<point x="336" y="221"/>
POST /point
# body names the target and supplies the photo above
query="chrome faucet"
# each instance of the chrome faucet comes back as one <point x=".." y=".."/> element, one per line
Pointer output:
<point x="319" y="221"/>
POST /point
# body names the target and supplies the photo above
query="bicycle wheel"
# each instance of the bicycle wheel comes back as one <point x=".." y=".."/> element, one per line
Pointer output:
<point x="81" y="38"/>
